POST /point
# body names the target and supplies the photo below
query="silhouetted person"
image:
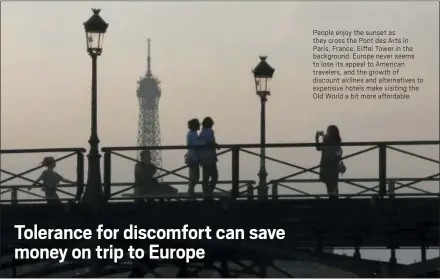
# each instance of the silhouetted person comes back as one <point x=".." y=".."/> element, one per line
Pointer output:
<point x="51" y="179"/>
<point x="208" y="157"/>
<point x="192" y="156"/>
<point x="144" y="181"/>
<point x="331" y="164"/>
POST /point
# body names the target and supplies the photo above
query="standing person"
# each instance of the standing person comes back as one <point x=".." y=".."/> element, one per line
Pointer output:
<point x="144" y="171"/>
<point x="192" y="156"/>
<point x="331" y="164"/>
<point x="208" y="157"/>
<point x="51" y="179"/>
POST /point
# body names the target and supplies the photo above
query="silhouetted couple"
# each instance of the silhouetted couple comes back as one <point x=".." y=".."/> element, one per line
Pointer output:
<point x="145" y="182"/>
<point x="331" y="159"/>
<point x="204" y="157"/>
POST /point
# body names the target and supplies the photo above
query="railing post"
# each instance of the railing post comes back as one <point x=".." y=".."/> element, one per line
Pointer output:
<point x="357" y="250"/>
<point x="392" y="263"/>
<point x="423" y="245"/>
<point x="391" y="188"/>
<point x="107" y="174"/>
<point x="79" y="175"/>
<point x="423" y="251"/>
<point x="382" y="169"/>
<point x="357" y="253"/>
<point x="235" y="171"/>
<point x="14" y="198"/>
<point x="274" y="190"/>
<point x="250" y="191"/>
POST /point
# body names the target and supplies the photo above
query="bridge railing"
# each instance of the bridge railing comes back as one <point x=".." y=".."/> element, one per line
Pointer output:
<point x="164" y="175"/>
<point x="74" y="191"/>
<point x="13" y="190"/>
<point x="276" y="188"/>
<point x="386" y="185"/>
<point x="127" y="186"/>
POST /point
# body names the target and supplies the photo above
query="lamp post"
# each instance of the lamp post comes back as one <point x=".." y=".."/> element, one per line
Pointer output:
<point x="263" y="74"/>
<point x="95" y="28"/>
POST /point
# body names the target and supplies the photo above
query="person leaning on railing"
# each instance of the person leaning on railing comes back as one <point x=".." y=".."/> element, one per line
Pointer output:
<point x="331" y="159"/>
<point x="51" y="179"/>
<point x="144" y="175"/>
<point x="145" y="182"/>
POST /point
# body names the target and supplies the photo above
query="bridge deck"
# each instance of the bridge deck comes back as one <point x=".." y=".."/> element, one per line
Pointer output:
<point x="306" y="222"/>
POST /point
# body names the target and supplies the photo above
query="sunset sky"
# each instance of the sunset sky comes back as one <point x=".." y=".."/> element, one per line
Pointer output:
<point x="203" y="53"/>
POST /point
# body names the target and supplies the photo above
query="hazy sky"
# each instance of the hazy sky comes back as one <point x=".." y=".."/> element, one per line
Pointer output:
<point x="203" y="53"/>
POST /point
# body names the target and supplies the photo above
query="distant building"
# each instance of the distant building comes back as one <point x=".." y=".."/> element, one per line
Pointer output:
<point x="148" y="93"/>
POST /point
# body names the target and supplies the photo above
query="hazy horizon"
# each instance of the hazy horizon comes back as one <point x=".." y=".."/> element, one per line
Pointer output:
<point x="203" y="53"/>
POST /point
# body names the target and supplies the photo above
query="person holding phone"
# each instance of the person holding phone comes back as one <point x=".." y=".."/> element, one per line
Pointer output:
<point x="331" y="159"/>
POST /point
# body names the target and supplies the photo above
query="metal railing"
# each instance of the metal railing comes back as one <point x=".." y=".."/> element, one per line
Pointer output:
<point x="242" y="189"/>
<point x="385" y="185"/>
<point x="109" y="152"/>
<point x="14" y="189"/>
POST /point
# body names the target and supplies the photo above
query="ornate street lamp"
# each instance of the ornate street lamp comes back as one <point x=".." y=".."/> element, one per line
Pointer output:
<point x="263" y="74"/>
<point x="95" y="28"/>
